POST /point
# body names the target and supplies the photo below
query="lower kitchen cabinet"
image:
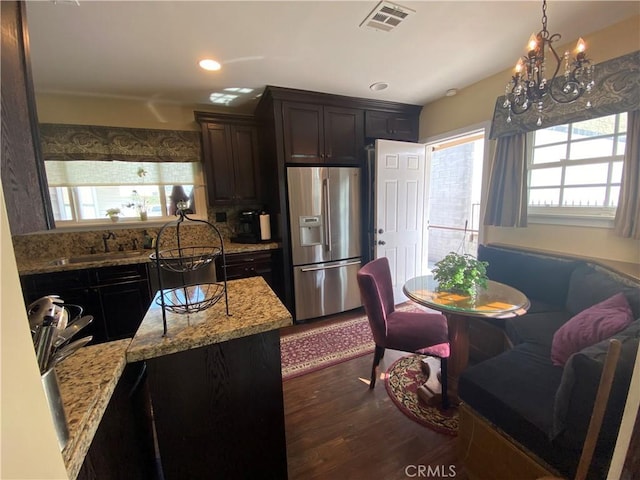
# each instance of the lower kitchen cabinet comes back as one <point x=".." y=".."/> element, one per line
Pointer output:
<point x="218" y="410"/>
<point x="117" y="297"/>
<point x="123" y="444"/>
<point x="266" y="264"/>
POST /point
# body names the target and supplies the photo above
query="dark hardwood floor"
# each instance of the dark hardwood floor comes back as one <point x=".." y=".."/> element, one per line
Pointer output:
<point x="338" y="429"/>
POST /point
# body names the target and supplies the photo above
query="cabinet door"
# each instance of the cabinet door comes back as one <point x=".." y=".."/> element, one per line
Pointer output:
<point x="266" y="264"/>
<point x="303" y="126"/>
<point x="343" y="135"/>
<point x="123" y="307"/>
<point x="73" y="288"/>
<point x="244" y="141"/>
<point x="123" y="443"/>
<point x="391" y="126"/>
<point x="218" y="163"/>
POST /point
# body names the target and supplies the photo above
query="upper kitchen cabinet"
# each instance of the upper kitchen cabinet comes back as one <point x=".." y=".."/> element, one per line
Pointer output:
<point x="316" y="134"/>
<point x="392" y="125"/>
<point x="22" y="169"/>
<point x="299" y="126"/>
<point x="231" y="160"/>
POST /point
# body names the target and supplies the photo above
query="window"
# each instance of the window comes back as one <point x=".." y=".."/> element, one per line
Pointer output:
<point x="82" y="191"/>
<point x="575" y="169"/>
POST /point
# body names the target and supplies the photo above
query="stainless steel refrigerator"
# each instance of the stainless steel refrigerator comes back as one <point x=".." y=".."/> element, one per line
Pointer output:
<point x="324" y="214"/>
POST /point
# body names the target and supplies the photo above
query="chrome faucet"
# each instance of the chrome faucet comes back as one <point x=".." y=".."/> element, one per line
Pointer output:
<point x="105" y="237"/>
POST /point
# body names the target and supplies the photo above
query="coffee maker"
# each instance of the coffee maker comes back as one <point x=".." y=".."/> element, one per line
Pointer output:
<point x="249" y="227"/>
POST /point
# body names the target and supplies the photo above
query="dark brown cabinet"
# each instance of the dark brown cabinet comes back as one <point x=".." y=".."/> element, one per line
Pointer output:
<point x="299" y="127"/>
<point x="230" y="150"/>
<point x="266" y="264"/>
<point x="322" y="134"/>
<point x="117" y="297"/>
<point x="123" y="444"/>
<point x="218" y="410"/>
<point x="391" y="126"/>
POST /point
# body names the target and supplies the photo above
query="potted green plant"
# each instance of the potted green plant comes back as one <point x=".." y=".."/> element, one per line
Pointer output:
<point x="460" y="273"/>
<point x="113" y="214"/>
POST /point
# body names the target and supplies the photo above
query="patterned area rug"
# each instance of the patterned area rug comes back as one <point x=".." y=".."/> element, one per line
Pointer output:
<point x="322" y="347"/>
<point x="402" y="381"/>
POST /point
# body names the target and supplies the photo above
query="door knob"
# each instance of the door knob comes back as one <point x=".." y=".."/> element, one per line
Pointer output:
<point x="381" y="242"/>
<point x="381" y="231"/>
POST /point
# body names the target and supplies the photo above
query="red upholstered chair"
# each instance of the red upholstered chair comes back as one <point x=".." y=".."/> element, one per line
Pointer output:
<point x="417" y="332"/>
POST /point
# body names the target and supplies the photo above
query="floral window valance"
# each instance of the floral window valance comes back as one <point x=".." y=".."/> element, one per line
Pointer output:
<point x="91" y="142"/>
<point x="617" y="90"/>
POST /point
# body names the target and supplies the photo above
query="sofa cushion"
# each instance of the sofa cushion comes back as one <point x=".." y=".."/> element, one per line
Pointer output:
<point x="590" y="285"/>
<point x="580" y="379"/>
<point x="514" y="390"/>
<point x="535" y="328"/>
<point x="539" y="277"/>
<point x="591" y="326"/>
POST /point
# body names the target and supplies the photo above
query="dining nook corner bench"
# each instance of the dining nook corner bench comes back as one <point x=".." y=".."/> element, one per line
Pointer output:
<point x="522" y="416"/>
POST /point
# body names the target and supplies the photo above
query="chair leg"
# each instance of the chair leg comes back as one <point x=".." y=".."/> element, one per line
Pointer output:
<point x="444" y="383"/>
<point x="377" y="356"/>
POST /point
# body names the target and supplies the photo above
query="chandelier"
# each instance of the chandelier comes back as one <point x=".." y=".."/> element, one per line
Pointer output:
<point x="529" y="85"/>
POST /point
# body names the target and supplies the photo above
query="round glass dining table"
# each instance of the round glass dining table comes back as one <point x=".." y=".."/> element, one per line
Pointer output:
<point x="496" y="300"/>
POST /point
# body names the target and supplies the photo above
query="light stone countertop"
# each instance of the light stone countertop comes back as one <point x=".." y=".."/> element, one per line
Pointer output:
<point x="38" y="265"/>
<point x="87" y="379"/>
<point x="253" y="306"/>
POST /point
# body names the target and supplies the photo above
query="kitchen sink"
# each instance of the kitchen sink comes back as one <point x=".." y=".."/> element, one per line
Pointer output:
<point x="96" y="257"/>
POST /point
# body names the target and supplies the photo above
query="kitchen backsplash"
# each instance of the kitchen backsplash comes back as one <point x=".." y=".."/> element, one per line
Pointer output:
<point x="61" y="243"/>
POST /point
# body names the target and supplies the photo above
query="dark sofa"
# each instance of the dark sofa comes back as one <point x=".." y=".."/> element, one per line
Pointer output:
<point x="544" y="407"/>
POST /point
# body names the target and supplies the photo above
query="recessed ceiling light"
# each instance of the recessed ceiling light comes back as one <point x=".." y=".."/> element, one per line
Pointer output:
<point x="378" y="86"/>
<point x="209" y="64"/>
<point x="451" y="92"/>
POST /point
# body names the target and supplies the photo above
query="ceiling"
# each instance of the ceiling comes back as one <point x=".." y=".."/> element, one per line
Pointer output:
<point x="150" y="50"/>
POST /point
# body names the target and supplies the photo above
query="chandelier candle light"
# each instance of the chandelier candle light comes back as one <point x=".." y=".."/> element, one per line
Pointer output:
<point x="529" y="85"/>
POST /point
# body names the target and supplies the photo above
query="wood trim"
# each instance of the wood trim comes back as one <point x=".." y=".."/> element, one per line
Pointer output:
<point x="296" y="95"/>
<point x="487" y="453"/>
<point x="631" y="468"/>
<point x="624" y="269"/>
<point x="23" y="176"/>
<point x="33" y="121"/>
<point x="224" y="118"/>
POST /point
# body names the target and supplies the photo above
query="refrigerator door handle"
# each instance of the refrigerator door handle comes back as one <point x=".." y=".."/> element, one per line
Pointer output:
<point x="327" y="223"/>
<point x="315" y="269"/>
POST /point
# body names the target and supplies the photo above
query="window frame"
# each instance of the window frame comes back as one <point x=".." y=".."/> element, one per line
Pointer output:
<point x="79" y="224"/>
<point x="575" y="215"/>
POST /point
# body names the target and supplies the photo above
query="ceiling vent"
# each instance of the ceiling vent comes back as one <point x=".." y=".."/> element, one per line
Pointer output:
<point x="386" y="16"/>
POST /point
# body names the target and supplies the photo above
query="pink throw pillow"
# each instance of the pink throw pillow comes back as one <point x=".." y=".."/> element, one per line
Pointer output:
<point x="591" y="326"/>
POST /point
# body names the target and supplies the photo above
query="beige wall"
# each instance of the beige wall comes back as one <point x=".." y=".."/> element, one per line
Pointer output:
<point x="475" y="104"/>
<point x="29" y="445"/>
<point x="87" y="110"/>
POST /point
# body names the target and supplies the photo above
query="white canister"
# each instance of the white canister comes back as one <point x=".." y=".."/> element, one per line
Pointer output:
<point x="265" y="226"/>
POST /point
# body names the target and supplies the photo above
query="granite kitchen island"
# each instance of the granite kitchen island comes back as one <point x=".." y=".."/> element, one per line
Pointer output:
<point x="215" y="385"/>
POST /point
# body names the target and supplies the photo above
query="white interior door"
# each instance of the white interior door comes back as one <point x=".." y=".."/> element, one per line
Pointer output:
<point x="399" y="218"/>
